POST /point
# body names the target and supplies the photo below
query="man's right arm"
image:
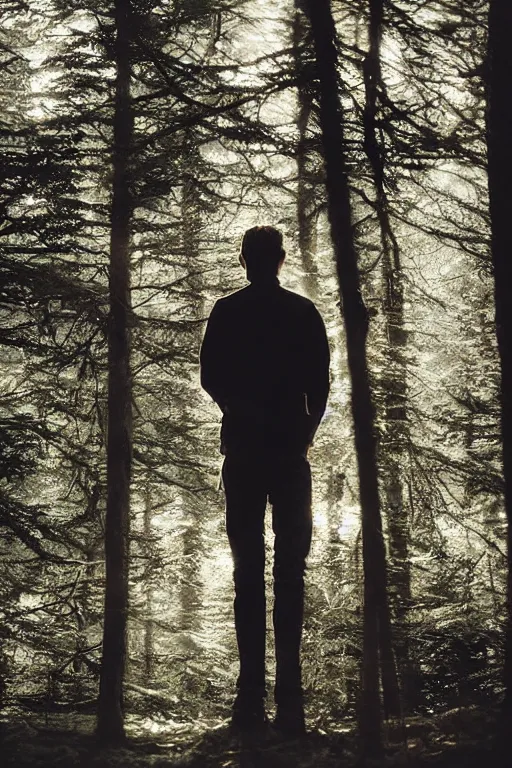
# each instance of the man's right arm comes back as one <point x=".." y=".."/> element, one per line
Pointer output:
<point x="212" y="358"/>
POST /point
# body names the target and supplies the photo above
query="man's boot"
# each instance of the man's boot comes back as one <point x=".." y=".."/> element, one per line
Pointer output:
<point x="290" y="719"/>
<point x="249" y="711"/>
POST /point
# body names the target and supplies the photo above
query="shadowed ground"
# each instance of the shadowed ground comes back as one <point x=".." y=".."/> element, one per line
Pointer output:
<point x="465" y="738"/>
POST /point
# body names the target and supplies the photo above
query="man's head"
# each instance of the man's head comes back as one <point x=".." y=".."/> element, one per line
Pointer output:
<point x="262" y="252"/>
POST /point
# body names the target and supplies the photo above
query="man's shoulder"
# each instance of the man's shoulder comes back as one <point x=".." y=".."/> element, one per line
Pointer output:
<point x="296" y="299"/>
<point x="232" y="298"/>
<point x="230" y="303"/>
<point x="247" y="294"/>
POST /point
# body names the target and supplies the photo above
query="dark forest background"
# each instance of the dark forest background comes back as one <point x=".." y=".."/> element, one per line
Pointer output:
<point x="139" y="139"/>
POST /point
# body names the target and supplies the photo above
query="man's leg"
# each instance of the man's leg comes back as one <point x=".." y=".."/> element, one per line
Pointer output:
<point x="291" y="518"/>
<point x="246" y="497"/>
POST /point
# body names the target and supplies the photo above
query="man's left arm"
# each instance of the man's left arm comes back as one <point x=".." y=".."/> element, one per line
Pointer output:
<point x="318" y="381"/>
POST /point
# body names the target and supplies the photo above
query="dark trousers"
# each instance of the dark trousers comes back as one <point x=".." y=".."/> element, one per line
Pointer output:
<point x="287" y="484"/>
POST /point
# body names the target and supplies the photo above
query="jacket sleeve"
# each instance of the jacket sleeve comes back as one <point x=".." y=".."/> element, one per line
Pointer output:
<point x="211" y="357"/>
<point x="317" y="371"/>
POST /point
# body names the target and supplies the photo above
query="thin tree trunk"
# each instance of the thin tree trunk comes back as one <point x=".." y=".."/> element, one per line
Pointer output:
<point x="356" y="327"/>
<point x="394" y="381"/>
<point x="149" y="625"/>
<point x="110" y="724"/>
<point x="306" y="199"/>
<point x="499" y="144"/>
<point x="191" y="223"/>
<point x="85" y="591"/>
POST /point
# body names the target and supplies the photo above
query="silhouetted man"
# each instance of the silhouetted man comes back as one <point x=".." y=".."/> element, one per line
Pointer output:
<point x="265" y="362"/>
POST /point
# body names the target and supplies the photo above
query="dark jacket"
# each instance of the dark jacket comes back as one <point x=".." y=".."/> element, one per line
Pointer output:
<point x="265" y="362"/>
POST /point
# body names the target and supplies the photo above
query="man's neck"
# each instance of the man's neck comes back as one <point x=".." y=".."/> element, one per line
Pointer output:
<point x="264" y="282"/>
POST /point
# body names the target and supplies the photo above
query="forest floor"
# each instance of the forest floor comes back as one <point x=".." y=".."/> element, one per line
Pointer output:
<point x="461" y="738"/>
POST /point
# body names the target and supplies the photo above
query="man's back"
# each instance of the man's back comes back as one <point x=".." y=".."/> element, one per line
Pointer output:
<point x="265" y="361"/>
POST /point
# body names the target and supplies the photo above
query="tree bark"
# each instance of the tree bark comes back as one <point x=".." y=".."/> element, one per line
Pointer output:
<point x="394" y="381"/>
<point x="499" y="146"/>
<point x="191" y="223"/>
<point x="355" y="318"/>
<point x="110" y="723"/>
<point x="307" y="212"/>
<point x="149" y="625"/>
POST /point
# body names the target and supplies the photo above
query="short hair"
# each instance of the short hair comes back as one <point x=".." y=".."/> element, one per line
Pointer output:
<point x="262" y="249"/>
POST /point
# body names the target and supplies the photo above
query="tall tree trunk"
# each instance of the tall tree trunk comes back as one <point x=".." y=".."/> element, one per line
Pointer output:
<point x="84" y="593"/>
<point x="376" y="610"/>
<point x="499" y="145"/>
<point x="110" y="724"/>
<point x="307" y="212"/>
<point x="191" y="223"/>
<point x="394" y="382"/>
<point x="149" y="624"/>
